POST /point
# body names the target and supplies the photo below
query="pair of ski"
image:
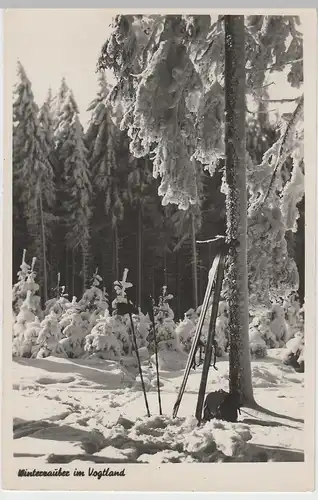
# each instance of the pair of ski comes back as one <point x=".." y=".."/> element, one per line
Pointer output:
<point x="215" y="274"/>
<point x="128" y="308"/>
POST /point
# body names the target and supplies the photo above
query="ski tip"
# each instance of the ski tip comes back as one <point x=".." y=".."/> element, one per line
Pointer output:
<point x="175" y="411"/>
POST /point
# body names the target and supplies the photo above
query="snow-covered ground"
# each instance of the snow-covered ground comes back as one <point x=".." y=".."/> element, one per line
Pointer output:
<point x="66" y="411"/>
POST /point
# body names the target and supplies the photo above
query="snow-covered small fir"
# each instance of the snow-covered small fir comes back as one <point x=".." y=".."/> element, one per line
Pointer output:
<point x="49" y="336"/>
<point x="26" y="282"/>
<point x="25" y="328"/>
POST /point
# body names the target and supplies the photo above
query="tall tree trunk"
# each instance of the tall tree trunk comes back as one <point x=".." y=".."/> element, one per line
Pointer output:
<point x="84" y="266"/>
<point x="194" y="263"/>
<point x="43" y="243"/>
<point x="202" y="282"/>
<point x="139" y="250"/>
<point x="165" y="267"/>
<point x="178" y="284"/>
<point x="115" y="252"/>
<point x="67" y="269"/>
<point x="153" y="284"/>
<point x="236" y="207"/>
<point x="73" y="272"/>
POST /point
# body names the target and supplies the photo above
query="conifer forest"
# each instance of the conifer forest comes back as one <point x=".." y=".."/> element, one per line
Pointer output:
<point x="187" y="178"/>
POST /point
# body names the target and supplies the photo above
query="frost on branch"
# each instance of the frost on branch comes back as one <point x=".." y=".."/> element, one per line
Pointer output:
<point x="294" y="189"/>
<point x="272" y="211"/>
<point x="272" y="273"/>
<point x="160" y="116"/>
<point x="272" y="43"/>
<point x="210" y="128"/>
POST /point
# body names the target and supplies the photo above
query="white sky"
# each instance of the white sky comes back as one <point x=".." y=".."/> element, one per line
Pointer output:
<point x="52" y="43"/>
<point x="56" y="43"/>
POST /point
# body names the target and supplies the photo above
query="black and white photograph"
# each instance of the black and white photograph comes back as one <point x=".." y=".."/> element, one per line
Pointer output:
<point x="159" y="293"/>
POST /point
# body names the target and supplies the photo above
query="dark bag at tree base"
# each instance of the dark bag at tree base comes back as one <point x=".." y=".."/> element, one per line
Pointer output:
<point x="222" y="405"/>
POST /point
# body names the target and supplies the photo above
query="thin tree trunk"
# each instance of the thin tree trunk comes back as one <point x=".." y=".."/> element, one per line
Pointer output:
<point x="43" y="242"/>
<point x="139" y="250"/>
<point x="115" y="250"/>
<point x="165" y="268"/>
<point x="84" y="269"/>
<point x="153" y="284"/>
<point x="178" y="284"/>
<point x="67" y="270"/>
<point x="49" y="258"/>
<point x="73" y="272"/>
<point x="202" y="280"/>
<point x="194" y="263"/>
<point x="236" y="206"/>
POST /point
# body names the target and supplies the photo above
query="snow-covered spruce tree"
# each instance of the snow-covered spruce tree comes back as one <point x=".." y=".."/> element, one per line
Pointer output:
<point x="164" y="323"/>
<point x="139" y="189"/>
<point x="74" y="330"/>
<point x="19" y="290"/>
<point x="187" y="224"/>
<point x="46" y="120"/>
<point x="294" y="354"/>
<point x="102" y="341"/>
<point x="61" y="258"/>
<point x="26" y="327"/>
<point x="49" y="336"/>
<point x="58" y="101"/>
<point x="59" y="303"/>
<point x="170" y="77"/>
<point x="26" y="283"/>
<point x="272" y="212"/>
<point x="185" y="329"/>
<point x="32" y="170"/>
<point x="94" y="301"/>
<point x="75" y="182"/>
<point x="103" y="143"/>
<point x="111" y="337"/>
<point x="121" y="326"/>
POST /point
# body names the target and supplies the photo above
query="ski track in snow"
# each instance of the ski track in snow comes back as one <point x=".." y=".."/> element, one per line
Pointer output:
<point x="67" y="411"/>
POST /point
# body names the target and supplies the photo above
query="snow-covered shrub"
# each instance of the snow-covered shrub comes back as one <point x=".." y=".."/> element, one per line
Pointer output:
<point x="164" y="323"/>
<point x="25" y="329"/>
<point x="49" y="336"/>
<point x="73" y="330"/>
<point x="294" y="352"/>
<point x="293" y="314"/>
<point x="271" y="327"/>
<point x="258" y="347"/>
<point x="26" y="282"/>
<point x="111" y="336"/>
<point x="185" y="330"/>
<point x="262" y="322"/>
<point x="58" y="305"/>
<point x="278" y="325"/>
<point x="142" y="326"/>
<point x="221" y="326"/>
<point x="20" y="288"/>
<point x="94" y="301"/>
<point x="221" y="329"/>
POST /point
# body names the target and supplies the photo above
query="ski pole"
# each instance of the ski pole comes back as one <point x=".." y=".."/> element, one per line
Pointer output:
<point x="196" y="339"/>
<point x="138" y="362"/>
<point x="210" y="339"/>
<point x="156" y="357"/>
